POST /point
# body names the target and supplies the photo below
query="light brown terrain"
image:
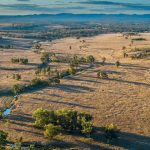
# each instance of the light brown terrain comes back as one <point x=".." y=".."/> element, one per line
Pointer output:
<point x="123" y="99"/>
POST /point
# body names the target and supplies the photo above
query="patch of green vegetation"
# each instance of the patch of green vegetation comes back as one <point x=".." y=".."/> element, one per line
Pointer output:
<point x="139" y="39"/>
<point x="20" y="60"/>
<point x="62" y="120"/>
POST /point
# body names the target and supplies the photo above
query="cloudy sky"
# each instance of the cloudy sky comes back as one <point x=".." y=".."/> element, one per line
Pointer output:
<point x="24" y="7"/>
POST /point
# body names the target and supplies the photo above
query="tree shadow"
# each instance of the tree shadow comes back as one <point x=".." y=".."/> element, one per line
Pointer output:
<point x="84" y="80"/>
<point x="73" y="88"/>
<point x="130" y="82"/>
<point x="28" y="131"/>
<point x="5" y="92"/>
<point x="15" y="69"/>
<point x="66" y="103"/>
<point x="20" y="117"/>
<point x="124" y="140"/>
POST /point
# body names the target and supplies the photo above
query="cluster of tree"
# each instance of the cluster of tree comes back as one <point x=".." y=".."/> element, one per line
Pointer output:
<point x="20" y="60"/>
<point x="80" y="122"/>
<point x="63" y="120"/>
<point x="35" y="83"/>
<point x="75" y="60"/>
<point x="17" y="145"/>
<point x="138" y="53"/>
<point x="43" y="71"/>
<point x="139" y="39"/>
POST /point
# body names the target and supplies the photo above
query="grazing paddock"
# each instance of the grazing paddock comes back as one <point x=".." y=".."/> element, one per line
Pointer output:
<point x="123" y="99"/>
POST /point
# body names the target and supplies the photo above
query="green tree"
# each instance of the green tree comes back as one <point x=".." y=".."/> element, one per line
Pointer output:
<point x="43" y="117"/>
<point x="31" y="147"/>
<point x="45" y="58"/>
<point x="90" y="59"/>
<point x="16" y="89"/>
<point x="102" y="75"/>
<point x="117" y="64"/>
<point x="86" y="127"/>
<point x="51" y="131"/>
<point x="111" y="132"/>
<point x="3" y="137"/>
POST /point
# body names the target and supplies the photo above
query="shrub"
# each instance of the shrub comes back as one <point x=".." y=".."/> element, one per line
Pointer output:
<point x="123" y="48"/>
<point x="103" y="60"/>
<point x="90" y="59"/>
<point x="18" y="144"/>
<point x="82" y="60"/>
<point x="86" y="126"/>
<point x="111" y="132"/>
<point x="71" y="70"/>
<point x="15" y="60"/>
<point x="17" y="76"/>
<point x="43" y="117"/>
<point x="23" y="61"/>
<point x="37" y="82"/>
<point x="102" y="75"/>
<point x="1" y="115"/>
<point x="31" y="147"/>
<point x="19" y="60"/>
<point x="45" y="58"/>
<point x="54" y="81"/>
<point x="51" y="131"/>
<point x="117" y="63"/>
<point x="139" y="39"/>
<point x="16" y="89"/>
<point x="69" y="120"/>
<point x="3" y="137"/>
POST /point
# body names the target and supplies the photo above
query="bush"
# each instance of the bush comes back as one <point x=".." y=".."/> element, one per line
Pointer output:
<point x="139" y="39"/>
<point x="71" y="70"/>
<point x="86" y="127"/>
<point x="23" y="61"/>
<point x="43" y="117"/>
<point x="54" y="81"/>
<point x="37" y="82"/>
<point x="45" y="58"/>
<point x="3" y="137"/>
<point x="15" y="60"/>
<point x="69" y="120"/>
<point x="16" y="89"/>
<point x="19" y="60"/>
<point x="111" y="132"/>
<point x="102" y="75"/>
<point x="17" y="76"/>
<point x="117" y="63"/>
<point x="1" y="115"/>
<point x="51" y="131"/>
<point x="31" y="147"/>
<point x="103" y="61"/>
<point x="90" y="59"/>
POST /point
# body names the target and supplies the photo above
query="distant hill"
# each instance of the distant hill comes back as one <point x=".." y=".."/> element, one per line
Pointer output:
<point x="103" y="18"/>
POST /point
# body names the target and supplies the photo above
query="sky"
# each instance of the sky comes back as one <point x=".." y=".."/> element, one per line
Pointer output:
<point x="26" y="7"/>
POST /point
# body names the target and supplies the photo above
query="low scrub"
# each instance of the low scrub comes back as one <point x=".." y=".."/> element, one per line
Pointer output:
<point x="111" y="132"/>
<point x="139" y="39"/>
<point x="20" y="60"/>
<point x="102" y="75"/>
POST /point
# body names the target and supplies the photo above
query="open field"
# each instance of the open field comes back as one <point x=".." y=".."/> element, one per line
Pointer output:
<point x="123" y="99"/>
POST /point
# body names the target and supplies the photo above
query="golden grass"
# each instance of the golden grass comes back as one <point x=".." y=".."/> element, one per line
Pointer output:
<point x="122" y="100"/>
